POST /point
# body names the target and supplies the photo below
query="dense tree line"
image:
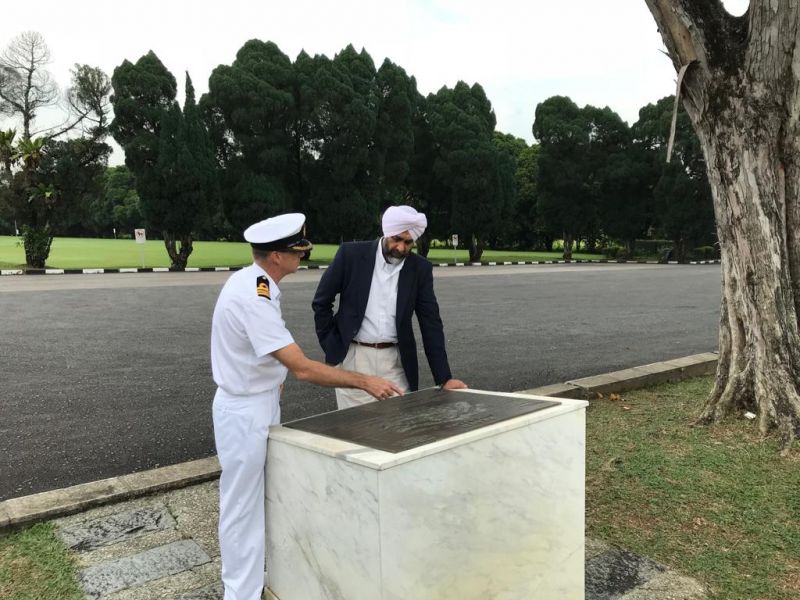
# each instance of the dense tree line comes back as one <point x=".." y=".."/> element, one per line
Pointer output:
<point x="340" y="140"/>
<point x="600" y="180"/>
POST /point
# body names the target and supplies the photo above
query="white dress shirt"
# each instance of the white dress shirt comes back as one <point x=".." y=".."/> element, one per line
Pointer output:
<point x="379" y="319"/>
<point x="245" y="329"/>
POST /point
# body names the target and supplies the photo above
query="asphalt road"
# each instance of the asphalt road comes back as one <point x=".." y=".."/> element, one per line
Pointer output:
<point x="103" y="375"/>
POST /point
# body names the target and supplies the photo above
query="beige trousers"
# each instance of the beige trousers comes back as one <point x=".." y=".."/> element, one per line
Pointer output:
<point x="382" y="362"/>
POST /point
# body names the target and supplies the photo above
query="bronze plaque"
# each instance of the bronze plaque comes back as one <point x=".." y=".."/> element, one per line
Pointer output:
<point x="418" y="418"/>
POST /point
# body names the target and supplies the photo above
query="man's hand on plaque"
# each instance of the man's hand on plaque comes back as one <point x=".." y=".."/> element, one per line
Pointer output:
<point x="381" y="388"/>
<point x="454" y="384"/>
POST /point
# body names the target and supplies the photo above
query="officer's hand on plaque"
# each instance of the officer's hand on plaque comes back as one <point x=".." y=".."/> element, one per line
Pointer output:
<point x="381" y="388"/>
<point x="454" y="384"/>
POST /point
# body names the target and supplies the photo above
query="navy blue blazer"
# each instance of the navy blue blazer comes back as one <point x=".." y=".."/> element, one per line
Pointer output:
<point x="350" y="276"/>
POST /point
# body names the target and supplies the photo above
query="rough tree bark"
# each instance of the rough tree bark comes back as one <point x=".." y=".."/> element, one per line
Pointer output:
<point x="178" y="256"/>
<point x="568" y="239"/>
<point x="476" y="247"/>
<point x="742" y="93"/>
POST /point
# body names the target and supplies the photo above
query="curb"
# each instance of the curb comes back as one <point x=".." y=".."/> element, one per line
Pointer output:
<point x="27" y="510"/>
<point x="668" y="371"/>
<point x="312" y="267"/>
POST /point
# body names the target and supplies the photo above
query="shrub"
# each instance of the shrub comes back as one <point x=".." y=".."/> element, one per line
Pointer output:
<point x="704" y="253"/>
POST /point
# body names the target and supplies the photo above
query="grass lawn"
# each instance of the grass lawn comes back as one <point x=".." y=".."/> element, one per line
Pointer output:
<point x="719" y="504"/>
<point x="88" y="253"/>
<point x="34" y="565"/>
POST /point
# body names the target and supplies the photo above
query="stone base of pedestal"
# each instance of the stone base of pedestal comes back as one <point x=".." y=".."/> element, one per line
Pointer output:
<point x="497" y="512"/>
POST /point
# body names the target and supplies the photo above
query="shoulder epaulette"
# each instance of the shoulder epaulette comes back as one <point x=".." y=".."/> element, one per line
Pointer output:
<point x="262" y="287"/>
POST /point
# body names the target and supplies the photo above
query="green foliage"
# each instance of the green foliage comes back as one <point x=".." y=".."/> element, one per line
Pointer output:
<point x="36" y="241"/>
<point x="89" y="97"/>
<point x="74" y="168"/>
<point x="394" y="130"/>
<point x="251" y="109"/>
<point x="186" y="169"/>
<point x="528" y="227"/>
<point x="344" y="199"/>
<point x="565" y="199"/>
<point x="143" y="94"/>
<point x="116" y="206"/>
<point x="471" y="184"/>
<point x="588" y="180"/>
<point x="705" y="253"/>
<point x="626" y="183"/>
<point x="45" y="182"/>
<point x="329" y="137"/>
<point x="168" y="150"/>
<point x="683" y="208"/>
<point x="599" y="179"/>
<point x="51" y="189"/>
<point x="341" y="140"/>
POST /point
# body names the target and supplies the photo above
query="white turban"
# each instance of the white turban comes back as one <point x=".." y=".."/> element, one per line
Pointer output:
<point x="398" y="219"/>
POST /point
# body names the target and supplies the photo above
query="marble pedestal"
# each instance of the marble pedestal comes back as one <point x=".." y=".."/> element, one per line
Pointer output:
<point x="494" y="513"/>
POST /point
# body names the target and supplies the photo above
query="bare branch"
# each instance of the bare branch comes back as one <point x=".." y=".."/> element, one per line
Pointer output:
<point x="25" y="84"/>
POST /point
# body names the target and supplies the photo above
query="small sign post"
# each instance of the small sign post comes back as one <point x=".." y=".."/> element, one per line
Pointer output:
<point x="141" y="238"/>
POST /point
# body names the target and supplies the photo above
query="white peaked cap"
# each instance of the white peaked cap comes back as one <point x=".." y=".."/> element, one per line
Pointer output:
<point x="282" y="232"/>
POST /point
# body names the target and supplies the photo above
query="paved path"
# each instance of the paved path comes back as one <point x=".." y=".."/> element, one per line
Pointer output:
<point x="105" y="375"/>
<point x="165" y="547"/>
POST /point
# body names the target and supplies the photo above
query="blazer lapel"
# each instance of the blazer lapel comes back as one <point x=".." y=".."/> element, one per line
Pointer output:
<point x="364" y="275"/>
<point x="405" y="283"/>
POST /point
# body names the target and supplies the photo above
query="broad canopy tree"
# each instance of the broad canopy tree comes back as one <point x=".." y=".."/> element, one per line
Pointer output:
<point x="682" y="207"/>
<point x="329" y="137"/>
<point x="741" y="89"/>
<point x="167" y="149"/>
<point x="566" y="203"/>
<point x="251" y="110"/>
<point x="472" y="180"/>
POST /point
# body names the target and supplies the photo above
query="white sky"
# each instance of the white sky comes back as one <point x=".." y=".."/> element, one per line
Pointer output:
<point x="600" y="52"/>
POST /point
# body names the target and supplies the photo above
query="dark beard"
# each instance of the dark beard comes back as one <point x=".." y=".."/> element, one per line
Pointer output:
<point x="391" y="257"/>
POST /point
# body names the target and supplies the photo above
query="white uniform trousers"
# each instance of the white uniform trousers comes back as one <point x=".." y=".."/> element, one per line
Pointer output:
<point x="382" y="362"/>
<point x="241" y="426"/>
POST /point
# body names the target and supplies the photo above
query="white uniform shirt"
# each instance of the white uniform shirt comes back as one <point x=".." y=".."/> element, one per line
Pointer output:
<point x="379" y="319"/>
<point x="245" y="329"/>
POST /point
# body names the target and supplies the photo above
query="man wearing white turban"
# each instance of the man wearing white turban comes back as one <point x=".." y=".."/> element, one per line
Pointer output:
<point x="380" y="285"/>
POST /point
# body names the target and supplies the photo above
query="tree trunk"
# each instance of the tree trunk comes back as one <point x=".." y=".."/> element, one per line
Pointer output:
<point x="742" y="93"/>
<point x="475" y="249"/>
<point x="567" y="245"/>
<point x="424" y="244"/>
<point x="759" y="365"/>
<point x="178" y="257"/>
<point x="680" y="250"/>
<point x="630" y="247"/>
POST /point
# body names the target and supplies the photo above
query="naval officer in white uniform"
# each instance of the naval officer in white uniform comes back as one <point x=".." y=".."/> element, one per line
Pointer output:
<point x="251" y="353"/>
